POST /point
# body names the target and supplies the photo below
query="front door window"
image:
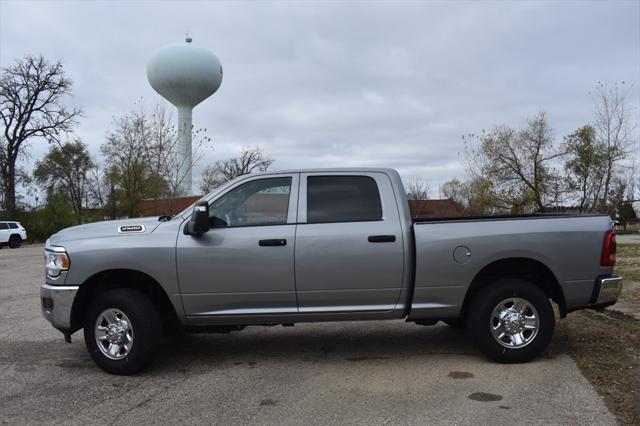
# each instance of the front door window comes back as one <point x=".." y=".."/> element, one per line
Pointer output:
<point x="258" y="202"/>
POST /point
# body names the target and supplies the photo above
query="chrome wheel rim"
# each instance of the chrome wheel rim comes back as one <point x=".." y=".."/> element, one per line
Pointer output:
<point x="113" y="334"/>
<point x="514" y="323"/>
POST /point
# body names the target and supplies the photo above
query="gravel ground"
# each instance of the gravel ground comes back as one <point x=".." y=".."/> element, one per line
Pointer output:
<point x="628" y="239"/>
<point x="332" y="373"/>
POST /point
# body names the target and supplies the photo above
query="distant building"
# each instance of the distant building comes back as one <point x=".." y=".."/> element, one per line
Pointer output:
<point x="429" y="209"/>
<point x="420" y="209"/>
<point x="167" y="206"/>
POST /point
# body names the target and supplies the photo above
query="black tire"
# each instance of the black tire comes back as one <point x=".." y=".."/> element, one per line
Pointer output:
<point x="14" y="241"/>
<point x="479" y="320"/>
<point x="144" y="321"/>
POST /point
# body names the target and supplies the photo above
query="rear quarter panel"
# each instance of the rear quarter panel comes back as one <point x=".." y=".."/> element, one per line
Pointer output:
<point x="570" y="247"/>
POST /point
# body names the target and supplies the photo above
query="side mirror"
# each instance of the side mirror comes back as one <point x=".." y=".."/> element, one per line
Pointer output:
<point x="199" y="222"/>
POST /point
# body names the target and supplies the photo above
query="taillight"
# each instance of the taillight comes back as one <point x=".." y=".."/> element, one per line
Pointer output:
<point x="609" y="249"/>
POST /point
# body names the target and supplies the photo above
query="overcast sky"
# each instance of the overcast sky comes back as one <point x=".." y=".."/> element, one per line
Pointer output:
<point x="342" y="83"/>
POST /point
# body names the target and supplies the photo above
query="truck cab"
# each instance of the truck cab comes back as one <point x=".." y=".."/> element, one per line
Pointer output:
<point x="297" y="244"/>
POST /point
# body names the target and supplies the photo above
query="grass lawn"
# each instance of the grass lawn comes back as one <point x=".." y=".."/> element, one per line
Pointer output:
<point x="606" y="345"/>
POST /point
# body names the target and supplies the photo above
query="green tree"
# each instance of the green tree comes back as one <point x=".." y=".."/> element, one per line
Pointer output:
<point x="585" y="167"/>
<point x="627" y="212"/>
<point x="56" y="214"/>
<point x="65" y="168"/>
<point x="476" y="195"/>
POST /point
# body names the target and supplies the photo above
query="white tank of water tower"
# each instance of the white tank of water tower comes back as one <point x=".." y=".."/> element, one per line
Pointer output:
<point x="185" y="75"/>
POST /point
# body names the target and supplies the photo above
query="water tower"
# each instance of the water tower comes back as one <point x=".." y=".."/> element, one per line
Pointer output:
<point x="185" y="75"/>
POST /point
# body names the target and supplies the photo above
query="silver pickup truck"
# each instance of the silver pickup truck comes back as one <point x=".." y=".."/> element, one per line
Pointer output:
<point x="322" y="245"/>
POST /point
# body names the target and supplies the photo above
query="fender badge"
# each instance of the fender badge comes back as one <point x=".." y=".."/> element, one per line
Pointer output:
<point x="130" y="229"/>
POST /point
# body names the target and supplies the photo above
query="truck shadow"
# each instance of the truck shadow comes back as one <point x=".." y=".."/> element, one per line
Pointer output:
<point x="324" y="343"/>
<point x="352" y="342"/>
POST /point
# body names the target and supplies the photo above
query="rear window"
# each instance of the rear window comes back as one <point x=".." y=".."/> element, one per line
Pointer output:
<point x="4" y="225"/>
<point x="13" y="225"/>
<point x="342" y="199"/>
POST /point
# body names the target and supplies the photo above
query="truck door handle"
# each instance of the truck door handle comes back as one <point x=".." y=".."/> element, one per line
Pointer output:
<point x="382" y="238"/>
<point x="276" y="242"/>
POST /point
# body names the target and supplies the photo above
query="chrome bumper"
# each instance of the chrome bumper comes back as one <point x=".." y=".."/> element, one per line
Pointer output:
<point x="608" y="290"/>
<point x="57" y="301"/>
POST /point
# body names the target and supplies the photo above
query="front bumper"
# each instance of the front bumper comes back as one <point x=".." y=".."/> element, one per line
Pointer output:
<point x="607" y="291"/>
<point x="57" y="301"/>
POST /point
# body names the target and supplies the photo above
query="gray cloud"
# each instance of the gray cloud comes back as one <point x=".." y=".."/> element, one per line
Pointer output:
<point x="330" y="84"/>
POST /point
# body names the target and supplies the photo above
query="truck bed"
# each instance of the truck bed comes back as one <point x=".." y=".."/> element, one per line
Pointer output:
<point x="451" y="252"/>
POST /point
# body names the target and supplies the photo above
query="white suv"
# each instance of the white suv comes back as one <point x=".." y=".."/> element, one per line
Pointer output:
<point x="12" y="234"/>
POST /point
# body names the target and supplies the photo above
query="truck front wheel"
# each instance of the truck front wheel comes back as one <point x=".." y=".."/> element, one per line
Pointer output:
<point x="511" y="320"/>
<point x="122" y="330"/>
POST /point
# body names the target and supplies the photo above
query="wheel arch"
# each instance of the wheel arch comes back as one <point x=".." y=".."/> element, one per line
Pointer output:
<point x="122" y="278"/>
<point x="517" y="267"/>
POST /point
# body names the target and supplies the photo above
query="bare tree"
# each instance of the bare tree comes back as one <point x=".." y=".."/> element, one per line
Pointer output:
<point x="127" y="155"/>
<point x="632" y="178"/>
<point x="250" y="160"/>
<point x="418" y="188"/>
<point x="141" y="159"/>
<point x="97" y="186"/>
<point x="614" y="130"/>
<point x="162" y="144"/>
<point x="31" y="95"/>
<point x="101" y="184"/>
<point x="518" y="164"/>
<point x="165" y="163"/>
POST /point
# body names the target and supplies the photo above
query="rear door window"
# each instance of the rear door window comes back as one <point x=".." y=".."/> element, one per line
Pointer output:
<point x="3" y="225"/>
<point x="342" y="199"/>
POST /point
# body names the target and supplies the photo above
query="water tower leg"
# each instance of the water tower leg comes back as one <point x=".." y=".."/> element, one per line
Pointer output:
<point x="184" y="151"/>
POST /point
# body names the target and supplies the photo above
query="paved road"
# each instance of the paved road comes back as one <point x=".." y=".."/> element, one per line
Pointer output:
<point x="360" y="373"/>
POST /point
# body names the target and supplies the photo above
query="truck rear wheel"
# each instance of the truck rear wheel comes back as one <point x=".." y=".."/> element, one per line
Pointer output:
<point x="511" y="321"/>
<point x="122" y="330"/>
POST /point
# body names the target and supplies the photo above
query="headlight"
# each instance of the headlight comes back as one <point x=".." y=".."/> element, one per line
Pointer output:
<point x="55" y="261"/>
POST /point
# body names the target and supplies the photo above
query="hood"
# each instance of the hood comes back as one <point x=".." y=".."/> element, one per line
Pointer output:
<point x="108" y="228"/>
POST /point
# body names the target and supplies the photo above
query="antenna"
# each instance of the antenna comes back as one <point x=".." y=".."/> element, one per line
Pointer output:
<point x="187" y="38"/>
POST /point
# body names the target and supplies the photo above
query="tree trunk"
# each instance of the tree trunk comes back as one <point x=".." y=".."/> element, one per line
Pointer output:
<point x="10" y="190"/>
<point x="112" y="202"/>
<point x="607" y="184"/>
